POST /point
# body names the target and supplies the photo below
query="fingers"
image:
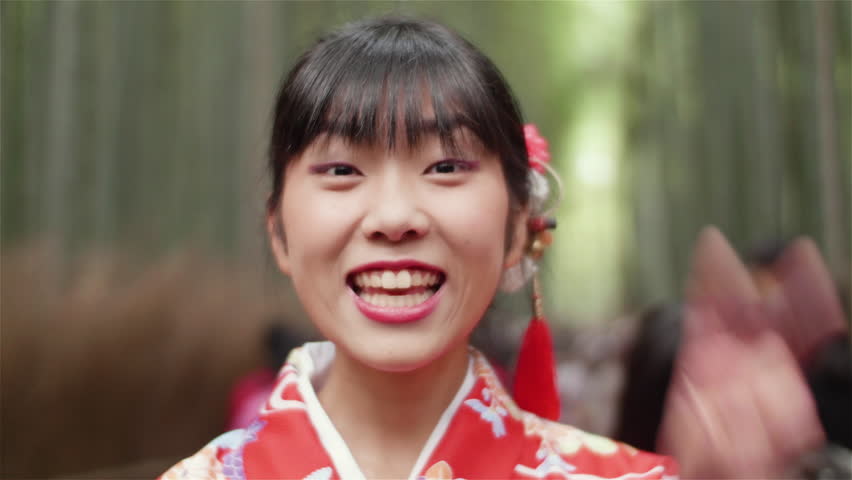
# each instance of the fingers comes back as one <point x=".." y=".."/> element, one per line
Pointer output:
<point x="703" y="429"/>
<point x="807" y="311"/>
<point x="707" y="352"/>
<point x="738" y="406"/>
<point x="785" y="403"/>
<point x="717" y="273"/>
<point x="738" y="409"/>
<point x="719" y="281"/>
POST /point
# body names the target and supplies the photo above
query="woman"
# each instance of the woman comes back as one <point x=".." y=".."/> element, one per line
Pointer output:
<point x="401" y="197"/>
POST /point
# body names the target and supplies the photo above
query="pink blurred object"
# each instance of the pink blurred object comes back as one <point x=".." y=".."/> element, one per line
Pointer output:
<point x="717" y="273"/>
<point x="248" y="395"/>
<point x="738" y="405"/>
<point x="804" y="306"/>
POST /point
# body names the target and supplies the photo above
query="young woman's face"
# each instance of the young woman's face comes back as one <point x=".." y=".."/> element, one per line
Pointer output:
<point x="395" y="255"/>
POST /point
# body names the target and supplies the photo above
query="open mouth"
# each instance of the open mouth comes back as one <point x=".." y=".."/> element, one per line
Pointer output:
<point x="396" y="288"/>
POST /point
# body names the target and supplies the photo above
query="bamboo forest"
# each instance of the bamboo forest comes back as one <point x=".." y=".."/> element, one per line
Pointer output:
<point x="137" y="282"/>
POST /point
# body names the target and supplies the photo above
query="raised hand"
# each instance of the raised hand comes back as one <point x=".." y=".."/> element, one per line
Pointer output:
<point x="802" y="302"/>
<point x="738" y="406"/>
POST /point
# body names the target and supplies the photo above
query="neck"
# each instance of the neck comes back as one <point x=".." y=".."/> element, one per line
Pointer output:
<point x="380" y="413"/>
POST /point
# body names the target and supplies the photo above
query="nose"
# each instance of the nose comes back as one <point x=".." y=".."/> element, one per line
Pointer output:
<point x="395" y="213"/>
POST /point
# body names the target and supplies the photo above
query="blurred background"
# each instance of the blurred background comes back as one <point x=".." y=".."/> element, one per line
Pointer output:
<point x="136" y="282"/>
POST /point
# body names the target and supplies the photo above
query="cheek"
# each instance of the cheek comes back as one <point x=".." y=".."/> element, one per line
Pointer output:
<point x="477" y="218"/>
<point x="316" y="227"/>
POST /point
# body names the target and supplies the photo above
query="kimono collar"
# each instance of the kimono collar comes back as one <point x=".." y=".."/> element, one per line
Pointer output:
<point x="482" y="433"/>
<point x="311" y="363"/>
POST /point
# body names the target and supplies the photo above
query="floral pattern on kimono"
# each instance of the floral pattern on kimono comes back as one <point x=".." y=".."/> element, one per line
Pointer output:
<point x="481" y="434"/>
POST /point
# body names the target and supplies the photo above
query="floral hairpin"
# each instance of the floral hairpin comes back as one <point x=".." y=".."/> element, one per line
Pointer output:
<point x="537" y="148"/>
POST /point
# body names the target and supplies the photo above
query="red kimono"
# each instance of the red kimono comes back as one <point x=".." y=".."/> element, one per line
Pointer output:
<point x="482" y="434"/>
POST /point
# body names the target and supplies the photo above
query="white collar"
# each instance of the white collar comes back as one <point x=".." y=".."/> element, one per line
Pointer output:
<point x="312" y="362"/>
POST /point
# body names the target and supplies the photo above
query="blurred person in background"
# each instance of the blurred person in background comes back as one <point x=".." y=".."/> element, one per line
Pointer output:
<point x="651" y="360"/>
<point x="252" y="389"/>
<point x="648" y="364"/>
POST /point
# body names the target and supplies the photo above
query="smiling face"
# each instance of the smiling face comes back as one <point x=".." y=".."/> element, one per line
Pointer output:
<point x="395" y="254"/>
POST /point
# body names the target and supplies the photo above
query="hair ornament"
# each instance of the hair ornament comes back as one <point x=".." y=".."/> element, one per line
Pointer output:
<point x="538" y="150"/>
<point x="534" y="385"/>
<point x="542" y="206"/>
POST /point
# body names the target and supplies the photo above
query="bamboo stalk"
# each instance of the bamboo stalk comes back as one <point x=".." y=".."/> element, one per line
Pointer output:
<point x="829" y="160"/>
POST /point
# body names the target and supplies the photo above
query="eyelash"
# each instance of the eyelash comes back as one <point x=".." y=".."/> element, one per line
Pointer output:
<point x="327" y="168"/>
<point x="463" y="165"/>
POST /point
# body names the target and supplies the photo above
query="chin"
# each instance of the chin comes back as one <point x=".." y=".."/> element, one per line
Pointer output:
<point x="401" y="357"/>
<point x="402" y="360"/>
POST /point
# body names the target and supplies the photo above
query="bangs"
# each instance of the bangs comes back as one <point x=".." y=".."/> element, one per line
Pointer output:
<point x="392" y="82"/>
<point x="392" y="86"/>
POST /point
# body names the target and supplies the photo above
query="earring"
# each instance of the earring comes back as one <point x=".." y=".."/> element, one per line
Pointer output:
<point x="534" y="388"/>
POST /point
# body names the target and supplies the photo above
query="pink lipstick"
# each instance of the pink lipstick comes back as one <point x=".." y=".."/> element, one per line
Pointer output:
<point x="397" y="314"/>
<point x="399" y="291"/>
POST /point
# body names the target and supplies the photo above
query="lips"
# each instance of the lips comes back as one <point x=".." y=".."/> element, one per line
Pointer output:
<point x="396" y="292"/>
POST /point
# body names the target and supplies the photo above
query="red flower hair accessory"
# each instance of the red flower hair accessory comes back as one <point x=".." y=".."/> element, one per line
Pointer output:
<point x="537" y="148"/>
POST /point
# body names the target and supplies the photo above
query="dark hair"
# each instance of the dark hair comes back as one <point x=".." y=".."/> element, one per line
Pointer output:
<point x="364" y="80"/>
<point x="765" y="254"/>
<point x="830" y="380"/>
<point x="649" y="365"/>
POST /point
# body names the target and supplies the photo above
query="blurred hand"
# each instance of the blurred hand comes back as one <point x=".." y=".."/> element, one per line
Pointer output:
<point x="738" y="406"/>
<point x="802" y="300"/>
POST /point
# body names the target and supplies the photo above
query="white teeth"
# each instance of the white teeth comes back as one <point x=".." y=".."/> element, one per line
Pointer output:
<point x="396" y="301"/>
<point x="389" y="280"/>
<point x="403" y="279"/>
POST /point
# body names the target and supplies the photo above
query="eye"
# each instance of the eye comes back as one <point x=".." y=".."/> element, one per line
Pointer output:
<point x="335" y="170"/>
<point x="451" y="166"/>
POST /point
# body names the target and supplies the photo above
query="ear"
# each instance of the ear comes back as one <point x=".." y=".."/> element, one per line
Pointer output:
<point x="275" y="231"/>
<point x="520" y="234"/>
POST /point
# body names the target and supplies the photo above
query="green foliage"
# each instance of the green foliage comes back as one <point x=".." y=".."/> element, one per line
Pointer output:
<point x="142" y="125"/>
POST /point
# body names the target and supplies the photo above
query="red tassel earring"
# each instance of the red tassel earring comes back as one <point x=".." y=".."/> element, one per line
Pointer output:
<point x="535" y="372"/>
